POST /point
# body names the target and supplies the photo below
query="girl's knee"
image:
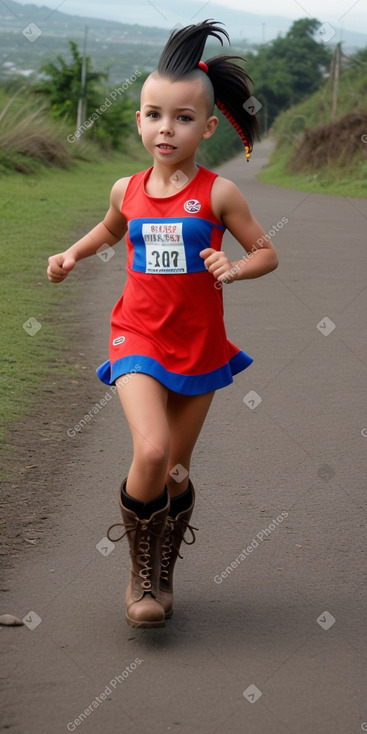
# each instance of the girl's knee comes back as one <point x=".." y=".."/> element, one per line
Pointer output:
<point x="153" y="456"/>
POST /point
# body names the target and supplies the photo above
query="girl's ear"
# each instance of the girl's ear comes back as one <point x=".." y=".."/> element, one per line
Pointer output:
<point x="211" y="126"/>
<point x="138" y="121"/>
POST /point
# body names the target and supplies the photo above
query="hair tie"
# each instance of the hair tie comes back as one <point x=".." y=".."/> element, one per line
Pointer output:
<point x="202" y="65"/>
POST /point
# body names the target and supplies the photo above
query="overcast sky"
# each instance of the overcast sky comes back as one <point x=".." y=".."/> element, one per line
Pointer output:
<point x="322" y="9"/>
<point x="352" y="14"/>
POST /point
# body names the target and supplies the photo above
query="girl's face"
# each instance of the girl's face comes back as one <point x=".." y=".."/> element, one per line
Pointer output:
<point x="173" y="118"/>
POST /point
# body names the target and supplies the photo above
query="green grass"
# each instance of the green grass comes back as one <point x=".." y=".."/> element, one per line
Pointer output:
<point x="351" y="181"/>
<point x="42" y="214"/>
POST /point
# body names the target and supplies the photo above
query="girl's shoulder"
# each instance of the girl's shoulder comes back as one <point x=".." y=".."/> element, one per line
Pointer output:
<point x="118" y="191"/>
<point x="224" y="185"/>
<point x="224" y="194"/>
<point x="121" y="186"/>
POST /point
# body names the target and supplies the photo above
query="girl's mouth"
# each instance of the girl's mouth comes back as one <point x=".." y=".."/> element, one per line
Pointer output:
<point x="164" y="146"/>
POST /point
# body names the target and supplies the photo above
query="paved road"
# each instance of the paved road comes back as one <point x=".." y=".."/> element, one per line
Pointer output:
<point x="277" y="643"/>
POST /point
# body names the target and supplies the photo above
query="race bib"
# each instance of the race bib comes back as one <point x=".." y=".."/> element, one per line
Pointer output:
<point x="164" y="248"/>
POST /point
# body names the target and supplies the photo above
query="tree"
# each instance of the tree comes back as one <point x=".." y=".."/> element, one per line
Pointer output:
<point x="289" y="69"/>
<point x="63" y="82"/>
<point x="109" y="126"/>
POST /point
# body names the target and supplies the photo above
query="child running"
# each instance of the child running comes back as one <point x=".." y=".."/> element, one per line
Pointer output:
<point x="169" y="351"/>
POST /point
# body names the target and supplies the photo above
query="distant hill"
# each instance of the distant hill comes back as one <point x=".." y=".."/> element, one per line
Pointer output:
<point x="117" y="47"/>
<point x="31" y="35"/>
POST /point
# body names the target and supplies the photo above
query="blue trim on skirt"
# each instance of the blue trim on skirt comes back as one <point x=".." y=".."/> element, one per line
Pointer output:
<point x="183" y="384"/>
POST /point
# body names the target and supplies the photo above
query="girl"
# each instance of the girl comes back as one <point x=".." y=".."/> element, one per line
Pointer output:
<point x="168" y="348"/>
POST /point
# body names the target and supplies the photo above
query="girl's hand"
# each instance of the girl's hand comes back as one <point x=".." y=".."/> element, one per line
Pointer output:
<point x="218" y="264"/>
<point x="59" y="267"/>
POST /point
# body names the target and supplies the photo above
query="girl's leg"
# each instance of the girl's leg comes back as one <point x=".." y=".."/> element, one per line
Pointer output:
<point x="144" y="402"/>
<point x="186" y="416"/>
<point x="143" y="498"/>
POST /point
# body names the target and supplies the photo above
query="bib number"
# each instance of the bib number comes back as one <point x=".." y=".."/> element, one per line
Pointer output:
<point x="164" y="248"/>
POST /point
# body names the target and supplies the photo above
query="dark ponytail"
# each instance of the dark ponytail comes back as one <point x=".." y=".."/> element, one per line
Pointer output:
<point x="181" y="56"/>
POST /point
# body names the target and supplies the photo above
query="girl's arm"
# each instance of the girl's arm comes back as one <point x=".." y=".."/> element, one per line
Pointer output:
<point x="231" y="207"/>
<point x="108" y="232"/>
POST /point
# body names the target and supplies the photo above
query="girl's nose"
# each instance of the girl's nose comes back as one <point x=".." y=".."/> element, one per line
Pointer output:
<point x="166" y="127"/>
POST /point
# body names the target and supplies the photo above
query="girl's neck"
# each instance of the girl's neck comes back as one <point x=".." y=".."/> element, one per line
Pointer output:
<point x="166" y="180"/>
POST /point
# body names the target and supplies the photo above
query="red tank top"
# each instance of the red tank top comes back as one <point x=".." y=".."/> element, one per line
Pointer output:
<point x="165" y="235"/>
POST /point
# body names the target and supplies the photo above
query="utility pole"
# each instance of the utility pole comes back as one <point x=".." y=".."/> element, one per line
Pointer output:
<point x="335" y="75"/>
<point x="263" y="34"/>
<point x="83" y="87"/>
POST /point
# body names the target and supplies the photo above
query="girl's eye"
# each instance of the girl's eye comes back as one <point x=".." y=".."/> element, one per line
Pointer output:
<point x="185" y="118"/>
<point x="153" y="115"/>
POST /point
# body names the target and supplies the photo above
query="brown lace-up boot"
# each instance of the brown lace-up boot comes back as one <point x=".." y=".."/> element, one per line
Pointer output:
<point x="173" y="537"/>
<point x="145" y="541"/>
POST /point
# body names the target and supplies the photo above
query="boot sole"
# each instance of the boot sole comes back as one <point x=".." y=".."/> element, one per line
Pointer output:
<point x="147" y="623"/>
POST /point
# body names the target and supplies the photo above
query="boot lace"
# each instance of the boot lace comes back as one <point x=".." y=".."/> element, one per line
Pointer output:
<point x="143" y="555"/>
<point x="174" y="527"/>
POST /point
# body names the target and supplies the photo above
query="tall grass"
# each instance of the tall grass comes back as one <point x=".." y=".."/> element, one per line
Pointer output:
<point x="28" y="138"/>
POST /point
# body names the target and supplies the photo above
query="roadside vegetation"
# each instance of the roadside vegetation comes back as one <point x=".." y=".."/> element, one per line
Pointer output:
<point x="28" y="136"/>
<point x="321" y="150"/>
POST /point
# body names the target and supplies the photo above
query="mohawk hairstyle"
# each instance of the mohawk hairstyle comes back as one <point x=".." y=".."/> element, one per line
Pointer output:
<point x="181" y="56"/>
